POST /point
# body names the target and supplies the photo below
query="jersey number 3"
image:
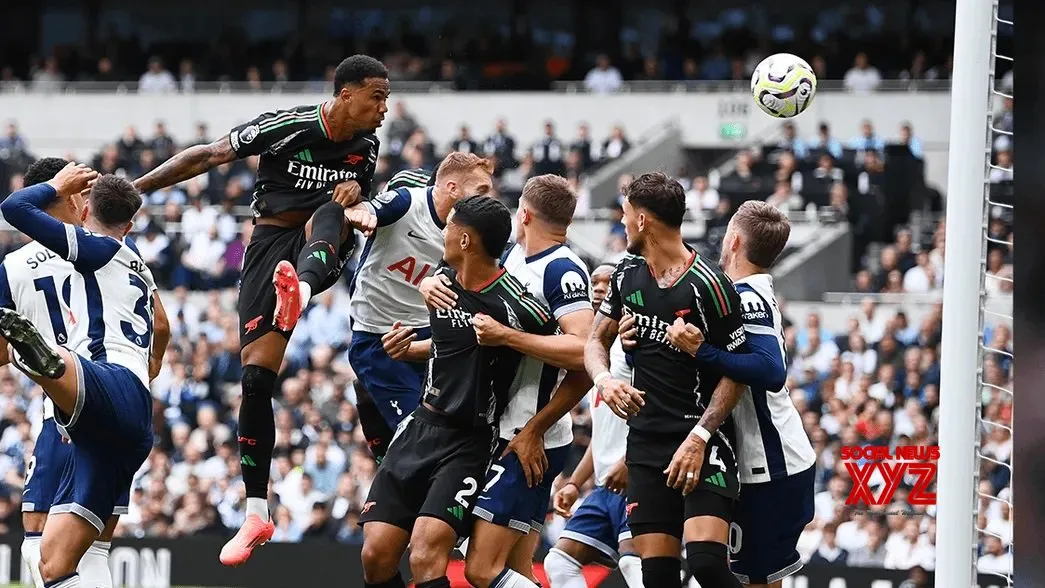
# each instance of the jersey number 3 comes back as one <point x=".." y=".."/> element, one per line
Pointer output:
<point x="143" y="309"/>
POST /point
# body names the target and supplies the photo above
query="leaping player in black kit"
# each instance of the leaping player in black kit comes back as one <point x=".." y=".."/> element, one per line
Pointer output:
<point x="317" y="165"/>
<point x="682" y="470"/>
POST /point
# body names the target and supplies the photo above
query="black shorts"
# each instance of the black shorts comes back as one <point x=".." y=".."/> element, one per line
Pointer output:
<point x="268" y="246"/>
<point x="431" y="470"/>
<point x="653" y="507"/>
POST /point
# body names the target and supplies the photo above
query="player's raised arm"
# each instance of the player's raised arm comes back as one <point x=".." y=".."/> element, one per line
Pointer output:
<point x="26" y="210"/>
<point x="188" y="164"/>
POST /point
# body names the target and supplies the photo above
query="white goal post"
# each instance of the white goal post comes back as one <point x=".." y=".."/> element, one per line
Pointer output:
<point x="963" y="293"/>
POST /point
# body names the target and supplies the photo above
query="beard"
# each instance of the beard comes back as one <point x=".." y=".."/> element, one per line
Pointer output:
<point x="634" y="248"/>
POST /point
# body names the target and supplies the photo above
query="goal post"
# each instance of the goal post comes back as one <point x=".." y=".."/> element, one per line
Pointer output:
<point x="961" y="359"/>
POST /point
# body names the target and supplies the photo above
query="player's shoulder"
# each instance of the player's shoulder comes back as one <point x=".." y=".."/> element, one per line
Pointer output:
<point x="756" y="299"/>
<point x="630" y="264"/>
<point x="409" y="178"/>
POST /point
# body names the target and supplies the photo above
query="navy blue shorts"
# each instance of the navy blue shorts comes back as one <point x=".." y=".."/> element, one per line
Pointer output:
<point x="111" y="429"/>
<point x="44" y="471"/>
<point x="394" y="385"/>
<point x="507" y="501"/>
<point x="601" y="522"/>
<point x="769" y="519"/>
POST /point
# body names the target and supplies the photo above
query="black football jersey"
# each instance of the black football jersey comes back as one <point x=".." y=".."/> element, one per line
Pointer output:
<point x="471" y="383"/>
<point x="299" y="164"/>
<point x="677" y="388"/>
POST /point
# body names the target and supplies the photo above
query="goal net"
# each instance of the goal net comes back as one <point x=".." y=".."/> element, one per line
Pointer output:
<point x="974" y="514"/>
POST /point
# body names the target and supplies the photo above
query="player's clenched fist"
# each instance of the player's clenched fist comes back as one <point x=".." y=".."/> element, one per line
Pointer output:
<point x="628" y="332"/>
<point x="397" y="341"/>
<point x="437" y="293"/>
<point x="73" y="179"/>
<point x="684" y="336"/>
<point x="488" y="331"/>
<point x="563" y="500"/>
<point x="361" y="219"/>
<point x="624" y="400"/>
<point x="347" y="193"/>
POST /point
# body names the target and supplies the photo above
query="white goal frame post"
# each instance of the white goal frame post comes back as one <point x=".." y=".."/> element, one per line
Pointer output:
<point x="961" y="358"/>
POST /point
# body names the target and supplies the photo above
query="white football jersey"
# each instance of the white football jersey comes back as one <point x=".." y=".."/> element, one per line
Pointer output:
<point x="405" y="248"/>
<point x="41" y="286"/>
<point x="558" y="278"/>
<point x="771" y="441"/>
<point x="609" y="432"/>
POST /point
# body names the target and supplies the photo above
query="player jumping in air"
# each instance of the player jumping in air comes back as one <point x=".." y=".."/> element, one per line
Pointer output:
<point x="315" y="161"/>
<point x="405" y="248"/>
<point x="39" y="285"/>
<point x="682" y="470"/>
<point x="536" y="429"/>
<point x="775" y="455"/>
<point x="426" y="487"/>
<point x="99" y="388"/>
<point x="598" y="530"/>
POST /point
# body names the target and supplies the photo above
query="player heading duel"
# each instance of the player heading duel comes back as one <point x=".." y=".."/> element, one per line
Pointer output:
<point x="682" y="470"/>
<point x="316" y="160"/>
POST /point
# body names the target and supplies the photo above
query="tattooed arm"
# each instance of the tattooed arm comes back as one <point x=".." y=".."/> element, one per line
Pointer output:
<point x="187" y="164"/>
<point x="723" y="400"/>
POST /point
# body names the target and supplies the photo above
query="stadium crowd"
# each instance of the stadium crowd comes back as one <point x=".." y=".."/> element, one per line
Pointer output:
<point x="875" y="381"/>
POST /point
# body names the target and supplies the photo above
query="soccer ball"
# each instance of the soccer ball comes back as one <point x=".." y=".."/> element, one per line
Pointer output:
<point x="783" y="85"/>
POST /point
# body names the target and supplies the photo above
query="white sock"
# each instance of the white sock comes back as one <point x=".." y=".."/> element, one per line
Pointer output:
<point x="94" y="566"/>
<point x="463" y="547"/>
<point x="630" y="567"/>
<point x="509" y="578"/>
<point x="306" y="293"/>
<point x="31" y="559"/>
<point x="564" y="571"/>
<point x="72" y="581"/>
<point x="258" y="506"/>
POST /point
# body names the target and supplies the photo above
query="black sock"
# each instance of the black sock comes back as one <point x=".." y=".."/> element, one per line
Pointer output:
<point x="662" y="572"/>
<point x="443" y="582"/>
<point x="395" y="582"/>
<point x="257" y="429"/>
<point x="375" y="428"/>
<point x="709" y="563"/>
<point x="319" y="259"/>
<point x="67" y="581"/>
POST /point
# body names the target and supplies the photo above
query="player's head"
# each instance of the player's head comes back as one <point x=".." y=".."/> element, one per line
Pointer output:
<point x="654" y="206"/>
<point x="548" y="203"/>
<point x="477" y="227"/>
<point x="68" y="210"/>
<point x="361" y="84"/>
<point x="756" y="234"/>
<point x="600" y="283"/>
<point x="460" y="175"/>
<point x="113" y="203"/>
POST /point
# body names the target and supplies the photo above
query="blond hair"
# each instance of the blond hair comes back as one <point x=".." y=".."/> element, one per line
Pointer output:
<point x="457" y="162"/>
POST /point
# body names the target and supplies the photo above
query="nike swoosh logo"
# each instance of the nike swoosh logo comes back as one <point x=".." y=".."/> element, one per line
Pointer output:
<point x="411" y="233"/>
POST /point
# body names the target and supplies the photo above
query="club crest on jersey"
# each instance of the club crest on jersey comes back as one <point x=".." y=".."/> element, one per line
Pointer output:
<point x="249" y="134"/>
<point x="353" y="159"/>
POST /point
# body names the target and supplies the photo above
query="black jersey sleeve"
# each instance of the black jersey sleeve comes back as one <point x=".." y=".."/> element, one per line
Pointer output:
<point x="276" y="131"/>
<point x="613" y="306"/>
<point x="366" y="179"/>
<point x="525" y="312"/>
<point x="721" y="309"/>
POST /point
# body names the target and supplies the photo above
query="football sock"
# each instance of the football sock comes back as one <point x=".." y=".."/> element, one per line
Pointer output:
<point x="375" y="428"/>
<point x="395" y="582"/>
<point x="31" y="557"/>
<point x="563" y="570"/>
<point x="663" y="572"/>
<point x="257" y="430"/>
<point x="258" y="506"/>
<point x="443" y="582"/>
<point x="509" y="578"/>
<point x="709" y="563"/>
<point x="94" y="566"/>
<point x="630" y="567"/>
<point x="319" y="259"/>
<point x="70" y="581"/>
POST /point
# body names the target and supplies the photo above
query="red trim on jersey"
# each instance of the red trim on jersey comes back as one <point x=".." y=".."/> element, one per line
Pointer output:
<point x="689" y="264"/>
<point x="491" y="282"/>
<point x="323" y="124"/>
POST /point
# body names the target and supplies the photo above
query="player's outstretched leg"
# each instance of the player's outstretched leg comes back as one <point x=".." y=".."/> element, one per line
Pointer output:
<point x="67" y="537"/>
<point x="33" y="354"/>
<point x="317" y="261"/>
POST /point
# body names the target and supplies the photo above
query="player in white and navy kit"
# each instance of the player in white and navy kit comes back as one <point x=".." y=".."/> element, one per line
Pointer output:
<point x="405" y="248"/>
<point x="100" y="384"/>
<point x="598" y="530"/>
<point x="775" y="456"/>
<point x="513" y="502"/>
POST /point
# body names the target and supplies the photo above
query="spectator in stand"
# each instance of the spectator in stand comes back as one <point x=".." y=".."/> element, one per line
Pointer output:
<point x="995" y="559"/>
<point x="701" y="198"/>
<point x="826" y="142"/>
<point x="828" y="552"/>
<point x="419" y="140"/>
<point x="9" y="82"/>
<point x="49" y="78"/>
<point x="862" y="77"/>
<point x="156" y="79"/>
<point x="1001" y="171"/>
<point x="921" y="278"/>
<point x="616" y="145"/>
<point x="280" y="75"/>
<point x="501" y="147"/>
<point x="129" y="147"/>
<point x="905" y="256"/>
<point x="399" y="128"/>
<point x="918" y="70"/>
<point x="914" y="144"/>
<point x="784" y="199"/>
<point x="715" y="66"/>
<point x="161" y="144"/>
<point x="742" y="178"/>
<point x="548" y="153"/>
<point x="873" y="553"/>
<point x="186" y="76"/>
<point x="582" y="146"/>
<point x="791" y="142"/>
<point x="867" y="140"/>
<point x="13" y="140"/>
<point x="253" y="78"/>
<point x="464" y="142"/>
<point x="651" y="70"/>
<point x="603" y="78"/>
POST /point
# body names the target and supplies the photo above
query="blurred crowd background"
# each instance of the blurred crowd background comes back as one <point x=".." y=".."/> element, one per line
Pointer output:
<point x="874" y="380"/>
